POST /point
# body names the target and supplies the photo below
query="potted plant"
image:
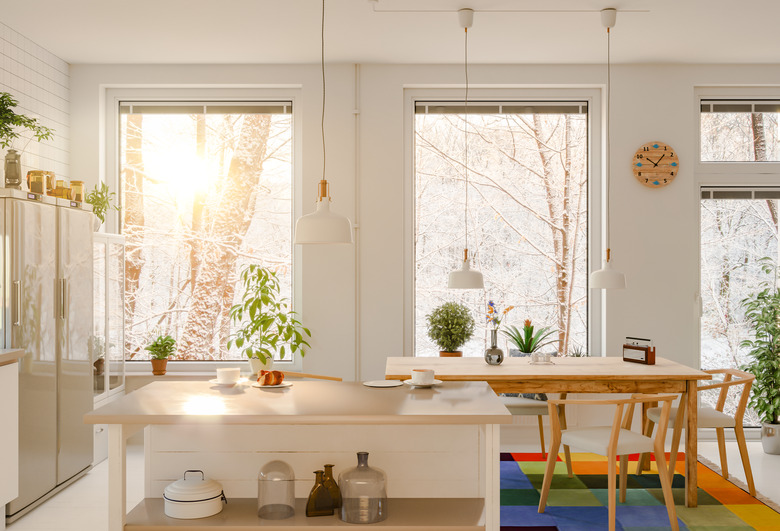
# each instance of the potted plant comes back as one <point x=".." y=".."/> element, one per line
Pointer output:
<point x="266" y="324"/>
<point x="450" y="326"/>
<point x="762" y="312"/>
<point x="525" y="340"/>
<point x="9" y="124"/>
<point x="161" y="349"/>
<point x="100" y="198"/>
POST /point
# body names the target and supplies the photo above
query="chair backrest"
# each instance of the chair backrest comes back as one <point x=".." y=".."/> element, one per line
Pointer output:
<point x="623" y="415"/>
<point x="731" y="379"/>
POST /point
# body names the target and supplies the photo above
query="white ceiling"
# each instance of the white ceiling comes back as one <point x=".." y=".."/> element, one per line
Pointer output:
<point x="398" y="31"/>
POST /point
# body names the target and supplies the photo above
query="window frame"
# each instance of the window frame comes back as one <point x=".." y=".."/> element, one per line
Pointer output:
<point x="109" y="154"/>
<point x="594" y="96"/>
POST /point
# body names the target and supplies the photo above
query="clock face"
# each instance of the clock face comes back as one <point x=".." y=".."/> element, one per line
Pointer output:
<point x="655" y="164"/>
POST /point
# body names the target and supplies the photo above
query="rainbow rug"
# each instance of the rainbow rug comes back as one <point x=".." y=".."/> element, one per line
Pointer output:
<point x="580" y="503"/>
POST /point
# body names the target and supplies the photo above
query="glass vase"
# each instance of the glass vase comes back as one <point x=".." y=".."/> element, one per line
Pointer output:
<point x="363" y="493"/>
<point x="494" y="355"/>
<point x="332" y="486"/>
<point x="276" y="491"/>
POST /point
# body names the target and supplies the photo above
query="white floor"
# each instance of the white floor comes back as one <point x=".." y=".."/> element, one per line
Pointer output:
<point x="83" y="505"/>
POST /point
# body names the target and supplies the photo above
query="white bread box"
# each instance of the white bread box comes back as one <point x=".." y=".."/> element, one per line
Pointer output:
<point x="193" y="497"/>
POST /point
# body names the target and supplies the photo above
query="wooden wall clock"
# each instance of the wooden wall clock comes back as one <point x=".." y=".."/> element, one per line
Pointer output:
<point x="655" y="164"/>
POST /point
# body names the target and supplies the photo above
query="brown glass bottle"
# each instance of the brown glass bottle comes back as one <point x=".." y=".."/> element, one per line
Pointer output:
<point x="332" y="486"/>
<point x="319" y="503"/>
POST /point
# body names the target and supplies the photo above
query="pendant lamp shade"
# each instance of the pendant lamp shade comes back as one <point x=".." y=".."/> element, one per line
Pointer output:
<point x="606" y="277"/>
<point x="322" y="225"/>
<point x="465" y="277"/>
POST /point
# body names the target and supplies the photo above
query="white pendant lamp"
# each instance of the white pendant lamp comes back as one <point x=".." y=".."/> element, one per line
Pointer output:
<point x="465" y="277"/>
<point x="322" y="225"/>
<point x="606" y="277"/>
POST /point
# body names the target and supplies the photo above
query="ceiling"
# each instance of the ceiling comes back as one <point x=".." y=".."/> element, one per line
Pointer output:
<point x="398" y="31"/>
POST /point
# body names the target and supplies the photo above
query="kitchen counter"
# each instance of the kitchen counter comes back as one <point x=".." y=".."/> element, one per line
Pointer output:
<point x="438" y="446"/>
<point x="10" y="355"/>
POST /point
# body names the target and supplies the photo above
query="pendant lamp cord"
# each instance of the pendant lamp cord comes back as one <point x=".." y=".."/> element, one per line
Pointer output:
<point x="466" y="129"/>
<point x="322" y="65"/>
<point x="609" y="129"/>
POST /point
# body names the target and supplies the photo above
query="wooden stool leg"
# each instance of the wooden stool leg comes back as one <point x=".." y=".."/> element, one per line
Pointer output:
<point x="724" y="462"/>
<point x="666" y="487"/>
<point x="623" y="477"/>
<point x="552" y="457"/>
<point x="611" y="490"/>
<point x="743" y="453"/>
<point x="541" y="433"/>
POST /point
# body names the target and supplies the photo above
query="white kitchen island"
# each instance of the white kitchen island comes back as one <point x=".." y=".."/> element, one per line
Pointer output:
<point x="439" y="448"/>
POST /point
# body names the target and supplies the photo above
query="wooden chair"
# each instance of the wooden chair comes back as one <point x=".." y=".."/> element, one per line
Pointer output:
<point x="613" y="441"/>
<point x="708" y="417"/>
<point x="518" y="405"/>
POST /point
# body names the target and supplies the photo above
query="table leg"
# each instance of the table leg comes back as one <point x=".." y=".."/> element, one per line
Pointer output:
<point x="117" y="477"/>
<point x="566" y="451"/>
<point x="691" y="444"/>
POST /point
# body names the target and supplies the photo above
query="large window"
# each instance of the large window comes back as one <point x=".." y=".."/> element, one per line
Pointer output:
<point x="205" y="190"/>
<point x="527" y="213"/>
<point x="738" y="229"/>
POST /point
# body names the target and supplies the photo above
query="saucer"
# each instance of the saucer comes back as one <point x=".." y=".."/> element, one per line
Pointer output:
<point x="214" y="381"/>
<point x="383" y="383"/>
<point x="422" y="386"/>
<point x="277" y="386"/>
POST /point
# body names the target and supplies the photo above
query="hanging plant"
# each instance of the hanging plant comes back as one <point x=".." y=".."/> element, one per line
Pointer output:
<point x="10" y="122"/>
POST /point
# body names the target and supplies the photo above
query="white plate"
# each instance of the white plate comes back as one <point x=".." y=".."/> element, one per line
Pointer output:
<point x="214" y="381"/>
<point x="435" y="382"/>
<point x="383" y="383"/>
<point x="277" y="386"/>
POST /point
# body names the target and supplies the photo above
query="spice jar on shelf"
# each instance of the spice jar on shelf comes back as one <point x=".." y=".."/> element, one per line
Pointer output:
<point x="77" y="191"/>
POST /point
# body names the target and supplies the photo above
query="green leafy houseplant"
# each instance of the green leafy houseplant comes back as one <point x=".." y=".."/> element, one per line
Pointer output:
<point x="266" y="324"/>
<point x="161" y="349"/>
<point x="100" y="198"/>
<point x="526" y="340"/>
<point x="762" y="311"/>
<point x="10" y="121"/>
<point x="450" y="326"/>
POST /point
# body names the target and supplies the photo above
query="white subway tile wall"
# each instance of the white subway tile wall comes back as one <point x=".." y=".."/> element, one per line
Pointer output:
<point x="39" y="81"/>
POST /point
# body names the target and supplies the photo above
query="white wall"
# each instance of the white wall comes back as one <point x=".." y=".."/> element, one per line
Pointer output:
<point x="39" y="81"/>
<point x="654" y="232"/>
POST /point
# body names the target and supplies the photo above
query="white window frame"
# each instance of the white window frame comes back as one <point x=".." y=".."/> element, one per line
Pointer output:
<point x="594" y="95"/>
<point x="110" y="97"/>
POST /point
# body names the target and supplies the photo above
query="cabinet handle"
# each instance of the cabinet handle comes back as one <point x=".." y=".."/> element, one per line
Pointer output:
<point x="99" y="430"/>
<point x="63" y="298"/>
<point x="17" y="298"/>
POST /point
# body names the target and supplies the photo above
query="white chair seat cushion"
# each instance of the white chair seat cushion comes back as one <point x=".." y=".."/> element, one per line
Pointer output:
<point x="517" y="405"/>
<point x="707" y="417"/>
<point x="596" y="439"/>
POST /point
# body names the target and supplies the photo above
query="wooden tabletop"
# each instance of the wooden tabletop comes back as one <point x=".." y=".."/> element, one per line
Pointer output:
<point x="10" y="355"/>
<point x="564" y="368"/>
<point x="305" y="402"/>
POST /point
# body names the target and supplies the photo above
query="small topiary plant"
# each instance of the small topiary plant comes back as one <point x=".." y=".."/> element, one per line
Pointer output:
<point x="450" y="326"/>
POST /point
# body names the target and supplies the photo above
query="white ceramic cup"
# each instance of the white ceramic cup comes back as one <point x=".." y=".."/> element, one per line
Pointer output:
<point x="228" y="375"/>
<point x="422" y="376"/>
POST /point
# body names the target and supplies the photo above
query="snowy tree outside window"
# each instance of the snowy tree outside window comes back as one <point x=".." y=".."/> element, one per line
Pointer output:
<point x="205" y="190"/>
<point x="527" y="215"/>
<point x="739" y="226"/>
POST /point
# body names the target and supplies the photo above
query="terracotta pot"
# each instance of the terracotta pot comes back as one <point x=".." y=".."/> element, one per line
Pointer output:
<point x="158" y="367"/>
<point x="100" y="366"/>
<point x="445" y="354"/>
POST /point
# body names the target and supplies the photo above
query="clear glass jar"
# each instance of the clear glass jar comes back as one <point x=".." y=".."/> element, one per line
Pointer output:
<point x="363" y="493"/>
<point x="276" y="491"/>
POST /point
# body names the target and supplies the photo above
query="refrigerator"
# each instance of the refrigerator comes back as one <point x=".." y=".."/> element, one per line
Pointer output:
<point x="47" y="266"/>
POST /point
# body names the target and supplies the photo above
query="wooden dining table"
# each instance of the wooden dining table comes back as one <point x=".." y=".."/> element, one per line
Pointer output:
<point x="576" y="375"/>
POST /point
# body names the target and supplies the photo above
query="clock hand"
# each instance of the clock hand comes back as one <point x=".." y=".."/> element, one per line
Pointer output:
<point x="649" y="160"/>
<point x="659" y="160"/>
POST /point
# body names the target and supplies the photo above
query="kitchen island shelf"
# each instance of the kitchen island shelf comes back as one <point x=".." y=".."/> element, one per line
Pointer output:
<point x="240" y="514"/>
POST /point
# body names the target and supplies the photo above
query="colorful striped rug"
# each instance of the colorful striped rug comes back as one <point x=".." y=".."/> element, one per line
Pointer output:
<point x="580" y="503"/>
